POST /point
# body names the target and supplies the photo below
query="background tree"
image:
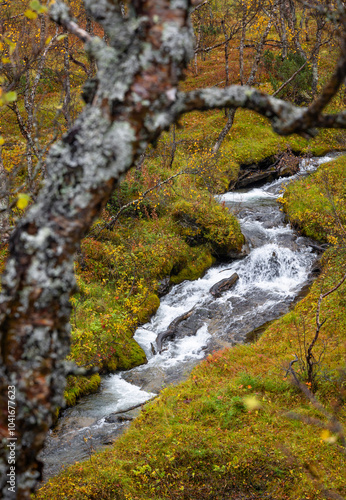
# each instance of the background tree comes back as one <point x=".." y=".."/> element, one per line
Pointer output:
<point x="135" y="98"/>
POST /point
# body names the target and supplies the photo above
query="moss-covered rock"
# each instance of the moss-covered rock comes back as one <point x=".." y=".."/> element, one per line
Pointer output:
<point x="150" y="306"/>
<point x="130" y="355"/>
<point x="200" y="260"/>
<point x="80" y="386"/>
<point x="205" y="220"/>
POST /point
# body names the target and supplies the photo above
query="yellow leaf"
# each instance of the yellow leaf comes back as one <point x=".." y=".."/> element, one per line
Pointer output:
<point x="30" y="14"/>
<point x="11" y="96"/>
<point x="252" y="403"/>
<point x="2" y="141"/>
<point x="327" y="437"/>
<point x="23" y="200"/>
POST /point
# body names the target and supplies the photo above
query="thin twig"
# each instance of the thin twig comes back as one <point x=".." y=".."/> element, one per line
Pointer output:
<point x="290" y="79"/>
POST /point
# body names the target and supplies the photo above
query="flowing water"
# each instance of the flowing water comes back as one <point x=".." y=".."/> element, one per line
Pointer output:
<point x="279" y="265"/>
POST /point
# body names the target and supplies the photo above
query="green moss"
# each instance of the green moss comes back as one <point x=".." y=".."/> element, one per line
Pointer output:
<point x="130" y="355"/>
<point x="200" y="260"/>
<point x="205" y="220"/>
<point x="316" y="204"/>
<point x="127" y="355"/>
<point x="80" y="386"/>
<point x="149" y="307"/>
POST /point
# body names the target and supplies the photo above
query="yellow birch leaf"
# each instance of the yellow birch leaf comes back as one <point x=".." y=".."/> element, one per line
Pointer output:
<point x="23" y="200"/>
<point x="30" y="14"/>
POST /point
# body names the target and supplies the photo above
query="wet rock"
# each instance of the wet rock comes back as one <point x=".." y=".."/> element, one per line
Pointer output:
<point x="164" y="286"/>
<point x="193" y="323"/>
<point x="252" y="174"/>
<point x="239" y="255"/>
<point x="319" y="248"/>
<point x="223" y="286"/>
<point x="249" y="177"/>
<point x="256" y="237"/>
<point x="114" y="419"/>
<point x="271" y="168"/>
<point x="108" y="441"/>
<point x="172" y="329"/>
<point x="287" y="241"/>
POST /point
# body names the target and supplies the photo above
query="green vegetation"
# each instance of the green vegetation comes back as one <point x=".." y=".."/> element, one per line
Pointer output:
<point x="281" y="70"/>
<point x="317" y="204"/>
<point x="81" y="385"/>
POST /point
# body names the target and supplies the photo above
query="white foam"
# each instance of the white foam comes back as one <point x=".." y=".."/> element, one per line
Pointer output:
<point x="183" y="349"/>
<point x="253" y="195"/>
<point x="123" y="393"/>
<point x="275" y="268"/>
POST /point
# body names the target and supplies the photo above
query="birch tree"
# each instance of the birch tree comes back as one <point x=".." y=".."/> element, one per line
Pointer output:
<point x="136" y="97"/>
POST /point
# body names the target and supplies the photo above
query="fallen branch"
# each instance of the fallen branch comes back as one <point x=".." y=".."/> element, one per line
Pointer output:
<point x="134" y="406"/>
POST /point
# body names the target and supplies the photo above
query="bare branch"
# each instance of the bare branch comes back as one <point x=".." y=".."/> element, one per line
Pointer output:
<point x="132" y="203"/>
<point x="198" y="6"/>
<point x="290" y="79"/>
<point x="61" y="15"/>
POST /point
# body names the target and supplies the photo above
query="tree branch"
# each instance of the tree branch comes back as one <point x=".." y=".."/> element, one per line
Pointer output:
<point x="285" y="118"/>
<point x="60" y="13"/>
<point x="113" y="220"/>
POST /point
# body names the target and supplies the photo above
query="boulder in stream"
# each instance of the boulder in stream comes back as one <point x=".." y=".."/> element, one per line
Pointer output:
<point x="164" y="286"/>
<point x="172" y="329"/>
<point x="223" y="286"/>
<point x="235" y="255"/>
<point x="114" y="418"/>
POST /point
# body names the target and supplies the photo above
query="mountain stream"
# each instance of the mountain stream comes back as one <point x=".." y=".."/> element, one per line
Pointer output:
<point x="273" y="275"/>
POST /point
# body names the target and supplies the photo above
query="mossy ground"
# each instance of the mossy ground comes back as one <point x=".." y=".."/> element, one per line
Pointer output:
<point x="77" y="386"/>
<point x="228" y="431"/>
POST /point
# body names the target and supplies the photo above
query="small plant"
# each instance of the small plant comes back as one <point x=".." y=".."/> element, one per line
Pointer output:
<point x="89" y="444"/>
<point x="280" y="71"/>
<point x="310" y="364"/>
